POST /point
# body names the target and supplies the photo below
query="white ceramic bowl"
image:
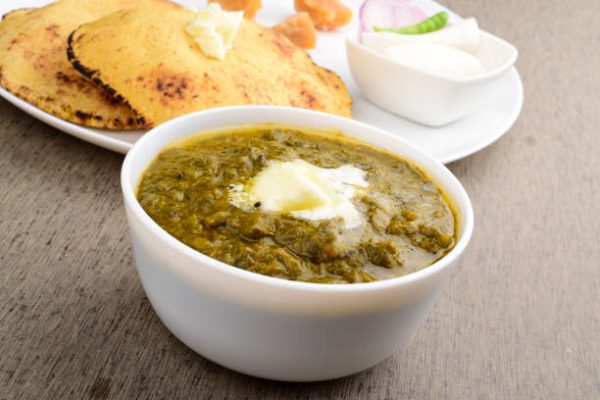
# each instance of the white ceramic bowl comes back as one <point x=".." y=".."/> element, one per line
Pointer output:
<point x="422" y="96"/>
<point x="274" y="328"/>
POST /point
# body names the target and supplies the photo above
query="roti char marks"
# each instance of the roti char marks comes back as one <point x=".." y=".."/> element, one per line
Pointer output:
<point x="108" y="91"/>
<point x="172" y="76"/>
<point x="33" y="65"/>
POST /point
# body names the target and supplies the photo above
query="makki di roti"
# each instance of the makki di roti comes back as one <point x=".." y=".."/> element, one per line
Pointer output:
<point x="17" y="12"/>
<point x="34" y="65"/>
<point x="200" y="190"/>
<point x="145" y="58"/>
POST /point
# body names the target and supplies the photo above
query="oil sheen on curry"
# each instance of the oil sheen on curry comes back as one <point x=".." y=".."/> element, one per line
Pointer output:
<point x="298" y="204"/>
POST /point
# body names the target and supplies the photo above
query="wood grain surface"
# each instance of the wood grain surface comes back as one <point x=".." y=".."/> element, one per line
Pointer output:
<point x="520" y="319"/>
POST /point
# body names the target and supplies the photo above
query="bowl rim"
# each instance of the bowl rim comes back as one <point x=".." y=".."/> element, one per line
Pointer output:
<point x="352" y="39"/>
<point x="461" y="199"/>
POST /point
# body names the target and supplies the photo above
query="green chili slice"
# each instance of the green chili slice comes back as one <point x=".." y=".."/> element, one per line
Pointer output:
<point x="431" y="24"/>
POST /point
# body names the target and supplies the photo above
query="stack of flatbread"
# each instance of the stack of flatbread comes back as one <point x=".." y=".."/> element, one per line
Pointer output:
<point x="129" y="64"/>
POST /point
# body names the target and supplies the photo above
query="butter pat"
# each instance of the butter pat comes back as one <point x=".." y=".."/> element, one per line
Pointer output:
<point x="305" y="191"/>
<point x="214" y="30"/>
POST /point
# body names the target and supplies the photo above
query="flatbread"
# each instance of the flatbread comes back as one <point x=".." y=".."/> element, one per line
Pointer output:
<point x="17" y="12"/>
<point x="145" y="58"/>
<point x="34" y="65"/>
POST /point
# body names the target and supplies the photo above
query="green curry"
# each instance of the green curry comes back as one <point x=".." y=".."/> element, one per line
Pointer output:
<point x="408" y="224"/>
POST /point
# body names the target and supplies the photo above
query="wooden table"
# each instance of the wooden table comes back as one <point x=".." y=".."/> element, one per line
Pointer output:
<point x="520" y="320"/>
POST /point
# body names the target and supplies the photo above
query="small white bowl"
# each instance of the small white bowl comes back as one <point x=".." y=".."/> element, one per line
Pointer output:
<point x="274" y="328"/>
<point x="422" y="96"/>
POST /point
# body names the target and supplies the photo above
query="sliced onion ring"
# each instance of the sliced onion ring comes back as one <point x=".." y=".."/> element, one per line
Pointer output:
<point x="389" y="14"/>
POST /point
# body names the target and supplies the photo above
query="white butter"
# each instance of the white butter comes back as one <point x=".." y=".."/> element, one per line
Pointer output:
<point x="463" y="35"/>
<point x="436" y="59"/>
<point x="304" y="191"/>
<point x="214" y="30"/>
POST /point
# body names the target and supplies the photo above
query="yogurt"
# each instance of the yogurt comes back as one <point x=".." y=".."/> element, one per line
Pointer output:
<point x="449" y="52"/>
<point x="436" y="59"/>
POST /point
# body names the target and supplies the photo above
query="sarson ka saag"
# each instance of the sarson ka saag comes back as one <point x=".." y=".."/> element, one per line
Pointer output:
<point x="298" y="204"/>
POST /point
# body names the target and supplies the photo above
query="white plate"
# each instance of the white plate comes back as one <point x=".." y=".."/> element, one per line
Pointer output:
<point x="448" y="143"/>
